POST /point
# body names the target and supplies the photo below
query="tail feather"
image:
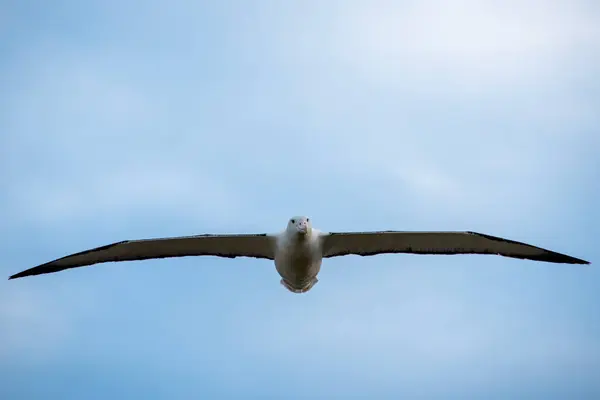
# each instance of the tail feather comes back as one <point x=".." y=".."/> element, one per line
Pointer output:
<point x="303" y="289"/>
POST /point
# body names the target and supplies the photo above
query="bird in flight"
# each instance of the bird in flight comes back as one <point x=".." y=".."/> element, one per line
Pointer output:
<point x="299" y="250"/>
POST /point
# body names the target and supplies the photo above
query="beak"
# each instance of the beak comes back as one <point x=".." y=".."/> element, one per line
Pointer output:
<point x="303" y="229"/>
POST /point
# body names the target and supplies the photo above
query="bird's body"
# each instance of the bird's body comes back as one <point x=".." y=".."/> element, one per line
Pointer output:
<point x="299" y="250"/>
<point x="298" y="259"/>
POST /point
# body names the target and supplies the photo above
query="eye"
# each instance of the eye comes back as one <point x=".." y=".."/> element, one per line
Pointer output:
<point x="307" y="219"/>
<point x="293" y="221"/>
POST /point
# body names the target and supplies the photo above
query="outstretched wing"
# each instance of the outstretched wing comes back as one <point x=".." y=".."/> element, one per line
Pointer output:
<point x="371" y="243"/>
<point x="230" y="246"/>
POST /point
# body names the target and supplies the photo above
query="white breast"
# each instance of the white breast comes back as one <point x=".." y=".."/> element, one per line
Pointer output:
<point x="298" y="261"/>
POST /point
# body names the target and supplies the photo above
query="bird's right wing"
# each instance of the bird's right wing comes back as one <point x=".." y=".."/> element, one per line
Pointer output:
<point x="230" y="246"/>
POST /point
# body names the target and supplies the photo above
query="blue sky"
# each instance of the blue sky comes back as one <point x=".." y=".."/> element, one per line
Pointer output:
<point x="125" y="120"/>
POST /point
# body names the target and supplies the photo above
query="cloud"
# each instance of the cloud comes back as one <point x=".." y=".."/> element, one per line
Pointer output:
<point x="477" y="45"/>
<point x="481" y="104"/>
<point x="419" y="143"/>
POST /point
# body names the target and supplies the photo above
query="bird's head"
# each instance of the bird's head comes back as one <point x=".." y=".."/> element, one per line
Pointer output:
<point x="299" y="226"/>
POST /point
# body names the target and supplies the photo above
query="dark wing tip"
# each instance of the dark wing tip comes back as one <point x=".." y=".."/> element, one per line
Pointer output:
<point x="546" y="255"/>
<point x="562" y="258"/>
<point x="22" y="274"/>
<point x="580" y="261"/>
<point x="51" y="266"/>
<point x="30" y="272"/>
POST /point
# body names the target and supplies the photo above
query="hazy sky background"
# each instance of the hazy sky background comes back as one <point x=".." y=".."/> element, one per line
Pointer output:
<point x="130" y="119"/>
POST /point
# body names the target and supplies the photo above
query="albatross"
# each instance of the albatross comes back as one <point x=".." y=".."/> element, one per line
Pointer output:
<point x="299" y="250"/>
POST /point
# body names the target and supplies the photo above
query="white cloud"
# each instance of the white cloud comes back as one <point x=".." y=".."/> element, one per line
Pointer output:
<point x="474" y="44"/>
<point x="460" y="107"/>
<point x="148" y="152"/>
<point x="421" y="133"/>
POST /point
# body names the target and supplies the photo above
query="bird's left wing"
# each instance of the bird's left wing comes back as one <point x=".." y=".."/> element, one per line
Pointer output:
<point x="371" y="243"/>
<point x="230" y="246"/>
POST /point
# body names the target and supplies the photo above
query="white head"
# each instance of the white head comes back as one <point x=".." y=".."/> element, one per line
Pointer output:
<point x="299" y="225"/>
